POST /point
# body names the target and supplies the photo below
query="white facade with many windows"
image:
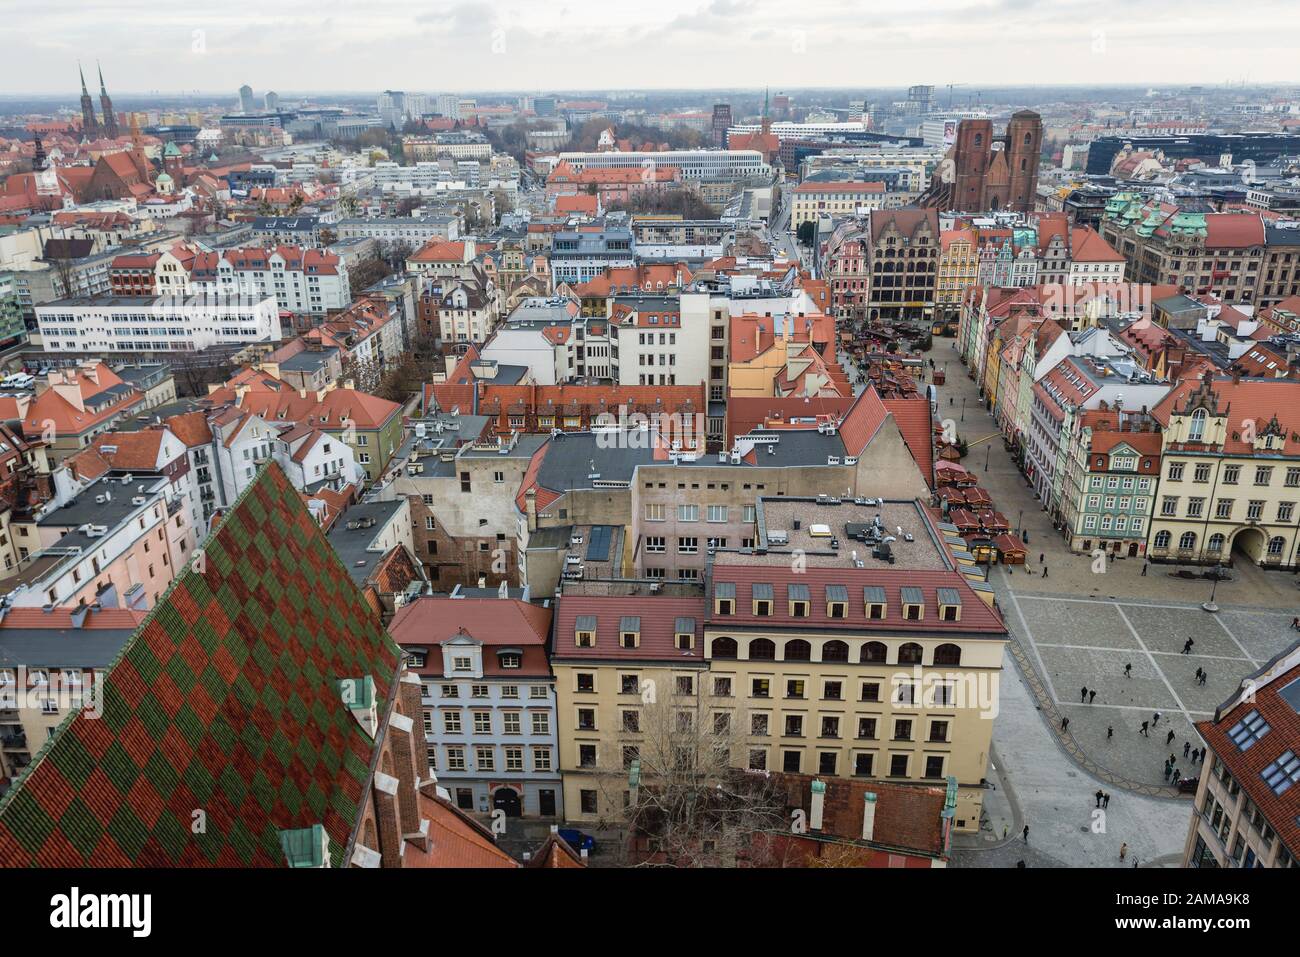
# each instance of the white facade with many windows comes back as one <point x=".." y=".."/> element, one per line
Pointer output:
<point x="164" y="324"/>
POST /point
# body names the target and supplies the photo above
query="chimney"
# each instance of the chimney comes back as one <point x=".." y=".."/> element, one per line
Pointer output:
<point x="868" y="815"/>
<point x="530" y="507"/>
<point x="818" y="805"/>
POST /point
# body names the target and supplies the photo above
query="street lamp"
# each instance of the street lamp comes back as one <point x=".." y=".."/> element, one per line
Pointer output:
<point x="988" y="451"/>
<point x="963" y="408"/>
<point x="1210" y="605"/>
<point x="1018" y="520"/>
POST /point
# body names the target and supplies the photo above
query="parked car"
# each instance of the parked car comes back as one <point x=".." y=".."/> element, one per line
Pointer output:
<point x="578" y="840"/>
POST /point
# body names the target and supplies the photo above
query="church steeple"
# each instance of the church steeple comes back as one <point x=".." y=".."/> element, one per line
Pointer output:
<point x="106" y="106"/>
<point x="38" y="157"/>
<point x="89" y="125"/>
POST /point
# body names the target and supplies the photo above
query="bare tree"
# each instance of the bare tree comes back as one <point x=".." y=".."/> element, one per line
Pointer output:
<point x="674" y="765"/>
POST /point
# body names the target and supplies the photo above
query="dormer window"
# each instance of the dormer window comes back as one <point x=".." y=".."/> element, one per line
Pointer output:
<point x="629" y="632"/>
<point x="462" y="664"/>
<point x="913" y="604"/>
<point x="799" y="601"/>
<point x="684" y="634"/>
<point x="584" y="631"/>
<point x="837" y="601"/>
<point x="1196" y="427"/>
<point x="762" y="597"/>
<point x="510" y="659"/>
<point x="949" y="604"/>
<point x="873" y="598"/>
<point x="724" y="598"/>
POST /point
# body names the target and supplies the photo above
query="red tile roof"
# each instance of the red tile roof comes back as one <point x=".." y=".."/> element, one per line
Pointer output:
<point x="1257" y="400"/>
<point x="976" y="616"/>
<point x="455" y="840"/>
<point x="658" y="615"/>
<point x="1282" y="811"/>
<point x="863" y="421"/>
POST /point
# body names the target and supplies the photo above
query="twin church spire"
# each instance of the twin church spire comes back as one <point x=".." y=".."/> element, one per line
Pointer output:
<point x="90" y="125"/>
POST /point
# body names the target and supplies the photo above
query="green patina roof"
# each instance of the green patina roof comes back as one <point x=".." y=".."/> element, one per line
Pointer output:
<point x="304" y="846"/>
<point x="226" y="701"/>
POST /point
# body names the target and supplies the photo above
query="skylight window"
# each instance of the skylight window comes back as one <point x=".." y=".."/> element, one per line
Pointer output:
<point x="1248" y="730"/>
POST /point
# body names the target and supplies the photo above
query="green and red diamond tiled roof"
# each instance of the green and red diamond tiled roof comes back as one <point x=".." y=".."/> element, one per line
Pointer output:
<point x="224" y="702"/>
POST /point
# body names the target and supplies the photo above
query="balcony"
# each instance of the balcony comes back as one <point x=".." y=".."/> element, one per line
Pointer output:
<point x="13" y="741"/>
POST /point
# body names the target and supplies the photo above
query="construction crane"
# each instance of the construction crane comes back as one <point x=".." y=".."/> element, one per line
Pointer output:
<point x="950" y="86"/>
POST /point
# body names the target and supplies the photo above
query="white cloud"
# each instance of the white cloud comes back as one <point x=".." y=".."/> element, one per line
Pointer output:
<point x="296" y="45"/>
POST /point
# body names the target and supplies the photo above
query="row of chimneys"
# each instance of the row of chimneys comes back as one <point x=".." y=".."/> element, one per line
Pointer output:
<point x="817" y="811"/>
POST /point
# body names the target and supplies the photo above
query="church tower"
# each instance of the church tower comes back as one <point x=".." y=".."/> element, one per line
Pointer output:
<point x="1024" y="144"/>
<point x="89" y="125"/>
<point x="106" y="107"/>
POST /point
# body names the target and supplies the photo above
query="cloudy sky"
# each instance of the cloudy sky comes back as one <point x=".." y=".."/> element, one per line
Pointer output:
<point x="361" y="45"/>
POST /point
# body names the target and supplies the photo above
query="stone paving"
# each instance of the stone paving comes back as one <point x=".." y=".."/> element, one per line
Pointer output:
<point x="1078" y="625"/>
<point x="1035" y="779"/>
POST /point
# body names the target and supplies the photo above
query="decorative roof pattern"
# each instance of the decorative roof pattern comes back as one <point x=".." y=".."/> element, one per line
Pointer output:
<point x="225" y="702"/>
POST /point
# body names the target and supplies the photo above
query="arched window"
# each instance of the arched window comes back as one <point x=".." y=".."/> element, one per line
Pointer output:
<point x="1188" y="541"/>
<point x="909" y="654"/>
<point x="874" y="651"/>
<point x="796" y="649"/>
<point x="835" y="651"/>
<point x="760" y="649"/>
<point x="724" y="648"/>
<point x="1028" y="138"/>
<point x="979" y="139"/>
<point x="1276" y="545"/>
<point x="1161" y="540"/>
<point x="947" y="655"/>
<point x="1215" y="544"/>
<point x="1196" y="429"/>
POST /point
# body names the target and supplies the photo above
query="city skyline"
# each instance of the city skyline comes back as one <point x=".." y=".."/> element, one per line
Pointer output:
<point x="572" y="45"/>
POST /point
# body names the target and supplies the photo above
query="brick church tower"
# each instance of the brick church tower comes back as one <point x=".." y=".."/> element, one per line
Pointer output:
<point x="970" y="163"/>
<point x="1024" y="144"/>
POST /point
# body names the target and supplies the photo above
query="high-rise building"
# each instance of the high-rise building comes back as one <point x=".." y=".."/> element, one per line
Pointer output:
<point x="246" y="104"/>
<point x="272" y="101"/>
<point x="721" y="121"/>
<point x="919" y="98"/>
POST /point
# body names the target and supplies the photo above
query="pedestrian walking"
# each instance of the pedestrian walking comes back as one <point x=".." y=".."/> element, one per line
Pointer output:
<point x="1099" y="795"/>
<point x="1128" y="671"/>
<point x="1044" y="571"/>
<point x="1092" y="694"/>
<point x="1123" y="851"/>
<point x="1083" y="695"/>
<point x="1204" y="675"/>
<point x="1005" y="829"/>
<point x="1144" y="569"/>
<point x="1144" y="729"/>
<point x="1168" y="771"/>
<point x="1187" y="645"/>
<point x="1175" y="778"/>
<point x="1025" y="834"/>
<point x="1041" y="556"/>
<point x="1110" y="731"/>
<point x="1065" y="724"/>
<point x="1170" y="738"/>
<point x="1295" y="623"/>
<point x="1105" y="800"/>
<point x="1198" y="674"/>
<point x="1155" y="719"/>
<point x="1202" y="757"/>
<point x="1187" y="746"/>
